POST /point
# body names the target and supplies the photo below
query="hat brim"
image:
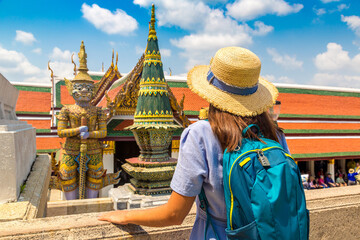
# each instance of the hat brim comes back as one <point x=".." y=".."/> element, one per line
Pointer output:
<point x="249" y="105"/>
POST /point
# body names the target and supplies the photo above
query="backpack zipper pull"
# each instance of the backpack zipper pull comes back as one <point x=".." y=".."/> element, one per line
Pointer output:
<point x="263" y="159"/>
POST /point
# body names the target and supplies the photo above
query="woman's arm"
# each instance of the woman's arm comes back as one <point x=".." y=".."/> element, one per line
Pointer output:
<point x="171" y="213"/>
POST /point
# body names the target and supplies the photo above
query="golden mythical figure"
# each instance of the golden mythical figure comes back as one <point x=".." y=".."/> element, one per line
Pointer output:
<point x="81" y="169"/>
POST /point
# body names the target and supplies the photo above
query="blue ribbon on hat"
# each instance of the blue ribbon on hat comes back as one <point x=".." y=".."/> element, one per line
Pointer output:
<point x="230" y="88"/>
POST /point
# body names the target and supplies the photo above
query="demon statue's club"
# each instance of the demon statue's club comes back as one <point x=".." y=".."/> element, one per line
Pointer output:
<point x="81" y="169"/>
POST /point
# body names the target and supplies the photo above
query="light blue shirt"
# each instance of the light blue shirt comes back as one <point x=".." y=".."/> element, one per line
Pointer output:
<point x="282" y="141"/>
<point x="200" y="165"/>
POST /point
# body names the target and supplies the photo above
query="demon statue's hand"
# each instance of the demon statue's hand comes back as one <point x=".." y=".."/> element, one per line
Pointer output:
<point x="83" y="129"/>
<point x="84" y="135"/>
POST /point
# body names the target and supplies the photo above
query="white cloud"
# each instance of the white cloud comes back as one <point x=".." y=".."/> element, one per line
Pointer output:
<point x="336" y="80"/>
<point x="118" y="22"/>
<point x="342" y="7"/>
<point x="65" y="55"/>
<point x="250" y="9"/>
<point x="37" y="50"/>
<point x="185" y="14"/>
<point x="329" y="1"/>
<point x="336" y="59"/>
<point x="209" y="28"/>
<point x="284" y="60"/>
<point x="63" y="69"/>
<point x="26" y="38"/>
<point x="139" y="50"/>
<point x="353" y="23"/>
<point x="165" y="52"/>
<point x="337" y="68"/>
<point x="320" y="11"/>
<point x="198" y="48"/>
<point x="261" y="29"/>
<point x="61" y="62"/>
<point x="16" y="62"/>
<point x="281" y="79"/>
<point x="16" y="67"/>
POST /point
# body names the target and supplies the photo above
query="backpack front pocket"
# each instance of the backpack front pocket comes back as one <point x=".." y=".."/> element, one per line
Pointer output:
<point x="247" y="232"/>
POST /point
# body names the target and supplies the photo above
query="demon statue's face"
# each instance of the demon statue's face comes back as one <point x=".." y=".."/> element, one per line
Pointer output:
<point x="83" y="91"/>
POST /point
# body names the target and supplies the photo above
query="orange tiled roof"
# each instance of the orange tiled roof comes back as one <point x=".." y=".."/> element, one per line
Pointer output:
<point x="66" y="98"/>
<point x="111" y="93"/>
<point x="31" y="101"/>
<point x="123" y="125"/>
<point x="48" y="143"/>
<point x="192" y="101"/>
<point x="39" y="124"/>
<point x="308" y="104"/>
<point x="307" y="146"/>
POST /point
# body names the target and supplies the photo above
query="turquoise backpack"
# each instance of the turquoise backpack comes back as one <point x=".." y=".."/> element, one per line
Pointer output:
<point x="264" y="194"/>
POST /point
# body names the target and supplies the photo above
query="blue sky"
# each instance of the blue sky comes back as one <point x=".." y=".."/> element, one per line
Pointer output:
<point x="313" y="42"/>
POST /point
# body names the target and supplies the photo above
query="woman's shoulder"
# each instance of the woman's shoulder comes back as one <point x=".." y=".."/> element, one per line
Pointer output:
<point x="200" y="125"/>
<point x="200" y="128"/>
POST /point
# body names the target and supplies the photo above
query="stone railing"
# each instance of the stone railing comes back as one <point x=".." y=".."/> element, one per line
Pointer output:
<point x="333" y="215"/>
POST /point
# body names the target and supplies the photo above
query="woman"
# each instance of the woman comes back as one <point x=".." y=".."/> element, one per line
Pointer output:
<point x="340" y="181"/>
<point x="238" y="97"/>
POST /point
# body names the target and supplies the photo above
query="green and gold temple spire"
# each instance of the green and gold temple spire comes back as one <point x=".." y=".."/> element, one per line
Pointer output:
<point x="153" y="126"/>
<point x="153" y="106"/>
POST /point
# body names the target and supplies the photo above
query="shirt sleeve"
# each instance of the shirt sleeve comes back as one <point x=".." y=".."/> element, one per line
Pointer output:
<point x="282" y="140"/>
<point x="192" y="167"/>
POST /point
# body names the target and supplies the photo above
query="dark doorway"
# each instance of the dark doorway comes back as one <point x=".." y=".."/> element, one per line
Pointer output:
<point x="302" y="167"/>
<point x="320" y="167"/>
<point x="124" y="150"/>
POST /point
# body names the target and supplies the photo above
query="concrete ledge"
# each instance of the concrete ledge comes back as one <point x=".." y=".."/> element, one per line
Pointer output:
<point x="32" y="201"/>
<point x="334" y="212"/>
<point x="333" y="215"/>
<point x="86" y="226"/>
<point x="69" y="207"/>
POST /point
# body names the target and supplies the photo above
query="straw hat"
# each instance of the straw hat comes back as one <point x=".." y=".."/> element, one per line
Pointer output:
<point x="232" y="82"/>
<point x="351" y="170"/>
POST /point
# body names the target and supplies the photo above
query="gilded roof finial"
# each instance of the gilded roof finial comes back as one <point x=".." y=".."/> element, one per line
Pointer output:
<point x="82" y="58"/>
<point x="117" y="58"/>
<point x="152" y="21"/>
<point x="72" y="60"/>
<point x="152" y="32"/>
<point x="83" y="70"/>
<point x="112" y="59"/>
<point x="52" y="73"/>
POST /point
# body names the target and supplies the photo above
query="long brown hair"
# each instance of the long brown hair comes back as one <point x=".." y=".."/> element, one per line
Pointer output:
<point x="228" y="127"/>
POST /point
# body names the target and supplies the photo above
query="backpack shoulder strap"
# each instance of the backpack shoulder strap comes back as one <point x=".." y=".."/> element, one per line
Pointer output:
<point x="204" y="206"/>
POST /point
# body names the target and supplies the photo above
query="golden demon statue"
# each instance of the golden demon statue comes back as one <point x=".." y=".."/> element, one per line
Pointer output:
<point x="81" y="169"/>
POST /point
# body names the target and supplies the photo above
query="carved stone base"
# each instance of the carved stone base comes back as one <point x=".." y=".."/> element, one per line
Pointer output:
<point x="150" y="178"/>
<point x="147" y="191"/>
<point x="143" y="184"/>
<point x="150" y="171"/>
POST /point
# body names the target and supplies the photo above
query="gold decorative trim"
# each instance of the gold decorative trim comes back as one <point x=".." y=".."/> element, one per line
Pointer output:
<point x="153" y="92"/>
<point x="110" y="149"/>
<point x="156" y="114"/>
<point x="155" y="62"/>
<point x="153" y="81"/>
